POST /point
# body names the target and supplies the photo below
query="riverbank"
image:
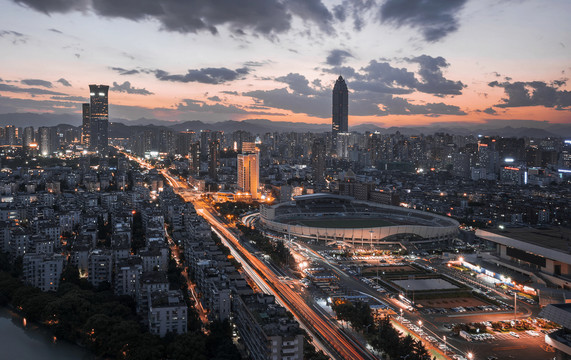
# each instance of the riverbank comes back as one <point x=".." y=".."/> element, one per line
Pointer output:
<point x="32" y="342"/>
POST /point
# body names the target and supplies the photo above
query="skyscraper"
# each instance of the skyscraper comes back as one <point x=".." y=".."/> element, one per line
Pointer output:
<point x="99" y="117"/>
<point x="213" y="158"/>
<point x="28" y="136"/>
<point x="85" y="128"/>
<point x="48" y="140"/>
<point x="318" y="155"/>
<point x="249" y="169"/>
<point x="340" y="121"/>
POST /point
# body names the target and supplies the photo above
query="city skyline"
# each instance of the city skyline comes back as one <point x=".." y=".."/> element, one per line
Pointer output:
<point x="459" y="61"/>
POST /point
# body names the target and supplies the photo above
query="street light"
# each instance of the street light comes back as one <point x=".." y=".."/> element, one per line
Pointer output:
<point x="470" y="356"/>
<point x="371" y="232"/>
<point x="420" y="323"/>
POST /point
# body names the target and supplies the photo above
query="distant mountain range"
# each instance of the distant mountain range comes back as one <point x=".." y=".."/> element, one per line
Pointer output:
<point x="124" y="127"/>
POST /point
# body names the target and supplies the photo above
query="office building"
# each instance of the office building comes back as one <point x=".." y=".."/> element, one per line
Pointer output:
<point x="98" y="117"/>
<point x="340" y="121"/>
<point x="249" y="170"/>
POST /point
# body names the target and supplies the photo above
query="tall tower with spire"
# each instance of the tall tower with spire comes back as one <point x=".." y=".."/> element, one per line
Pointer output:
<point x="340" y="120"/>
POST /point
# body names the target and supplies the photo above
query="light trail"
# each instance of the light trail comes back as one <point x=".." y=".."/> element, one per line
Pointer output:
<point x="343" y="345"/>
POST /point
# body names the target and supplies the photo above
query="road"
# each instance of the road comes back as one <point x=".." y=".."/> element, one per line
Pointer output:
<point x="175" y="253"/>
<point x="332" y="340"/>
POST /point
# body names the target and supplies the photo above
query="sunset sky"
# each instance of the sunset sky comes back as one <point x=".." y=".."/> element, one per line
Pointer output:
<point x="406" y="62"/>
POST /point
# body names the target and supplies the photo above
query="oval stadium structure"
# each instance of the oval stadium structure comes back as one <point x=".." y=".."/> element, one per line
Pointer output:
<point x="333" y="218"/>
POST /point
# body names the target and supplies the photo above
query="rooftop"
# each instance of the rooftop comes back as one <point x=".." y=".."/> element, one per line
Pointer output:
<point x="553" y="237"/>
<point x="558" y="313"/>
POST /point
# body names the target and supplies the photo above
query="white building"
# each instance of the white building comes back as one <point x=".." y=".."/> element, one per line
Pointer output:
<point x="167" y="313"/>
<point x="127" y="277"/>
<point x="99" y="268"/>
<point x="43" y="271"/>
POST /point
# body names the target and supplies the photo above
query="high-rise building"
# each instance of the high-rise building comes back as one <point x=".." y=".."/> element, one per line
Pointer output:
<point x="85" y="128"/>
<point x="47" y="140"/>
<point x="318" y="154"/>
<point x="28" y="136"/>
<point x="340" y="121"/>
<point x="249" y="169"/>
<point x="99" y="117"/>
<point x="213" y="158"/>
<point x="194" y="158"/>
<point x="10" y="134"/>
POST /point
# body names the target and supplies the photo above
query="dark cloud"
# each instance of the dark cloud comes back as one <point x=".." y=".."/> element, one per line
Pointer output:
<point x="435" y="19"/>
<point x="31" y="91"/>
<point x="356" y="9"/>
<point x="265" y="17"/>
<point x="214" y="98"/>
<point x="37" y="82"/>
<point x="204" y="75"/>
<point x="382" y="77"/>
<point x="298" y="83"/>
<point x="314" y="11"/>
<point x="255" y="63"/>
<point x="55" y="30"/>
<point x="127" y="88"/>
<point x="533" y="93"/>
<point x="14" y="105"/>
<point x="201" y="106"/>
<point x="433" y="82"/>
<point x="336" y="57"/>
<point x="64" y="82"/>
<point x="339" y="11"/>
<point x="261" y="16"/>
<point x="122" y="71"/>
<point x="54" y="6"/>
<point x="71" y="98"/>
<point x="229" y="92"/>
<point x="14" y="36"/>
<point x="191" y="105"/>
<point x="489" y="111"/>
<point x="319" y="106"/>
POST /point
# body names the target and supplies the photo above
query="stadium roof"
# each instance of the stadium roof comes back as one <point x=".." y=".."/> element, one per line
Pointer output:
<point x="550" y="237"/>
<point x="320" y="196"/>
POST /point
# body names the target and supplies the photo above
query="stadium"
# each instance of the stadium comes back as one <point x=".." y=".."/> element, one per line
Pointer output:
<point x="335" y="219"/>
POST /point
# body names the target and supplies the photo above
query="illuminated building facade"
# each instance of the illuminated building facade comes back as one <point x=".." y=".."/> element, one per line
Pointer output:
<point x="249" y="170"/>
<point x="98" y="117"/>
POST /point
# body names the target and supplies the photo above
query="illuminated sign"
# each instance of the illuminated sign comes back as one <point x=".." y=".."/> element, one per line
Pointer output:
<point x="509" y="160"/>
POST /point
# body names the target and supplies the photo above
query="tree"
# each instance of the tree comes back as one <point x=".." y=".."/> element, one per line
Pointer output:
<point x="189" y="346"/>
